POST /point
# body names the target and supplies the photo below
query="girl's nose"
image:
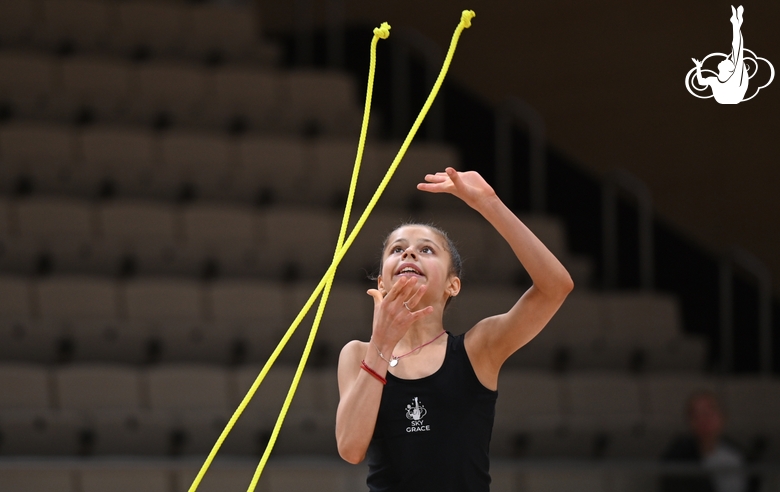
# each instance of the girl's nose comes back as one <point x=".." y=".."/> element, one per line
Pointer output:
<point x="409" y="252"/>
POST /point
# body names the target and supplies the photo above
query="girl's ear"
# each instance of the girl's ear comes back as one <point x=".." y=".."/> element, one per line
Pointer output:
<point x="454" y="286"/>
<point x="380" y="286"/>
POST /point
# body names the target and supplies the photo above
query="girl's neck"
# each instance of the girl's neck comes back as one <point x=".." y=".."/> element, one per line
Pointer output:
<point x="419" y="333"/>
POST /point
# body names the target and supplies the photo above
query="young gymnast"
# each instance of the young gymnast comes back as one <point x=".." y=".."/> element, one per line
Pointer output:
<point x="416" y="400"/>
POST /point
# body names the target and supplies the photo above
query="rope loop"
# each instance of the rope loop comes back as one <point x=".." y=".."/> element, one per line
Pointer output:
<point x="382" y="31"/>
<point x="466" y="16"/>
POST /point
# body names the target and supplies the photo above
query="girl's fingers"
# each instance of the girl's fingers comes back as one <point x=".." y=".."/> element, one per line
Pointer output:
<point x="416" y="296"/>
<point x="376" y="295"/>
<point x="402" y="289"/>
<point x="421" y="313"/>
<point x="436" y="178"/>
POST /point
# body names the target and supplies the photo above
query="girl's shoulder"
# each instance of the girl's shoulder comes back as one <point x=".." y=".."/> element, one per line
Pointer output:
<point x="353" y="349"/>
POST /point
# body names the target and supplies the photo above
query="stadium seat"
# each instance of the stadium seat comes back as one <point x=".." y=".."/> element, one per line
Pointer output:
<point x="325" y="102"/>
<point x="54" y="235"/>
<point x="94" y="89"/>
<point x="49" y="218"/>
<point x="169" y="94"/>
<point x="158" y="299"/>
<point x="753" y="404"/>
<point x="299" y="242"/>
<point x="73" y="297"/>
<point x="34" y="478"/>
<point x="126" y="479"/>
<point x="246" y="99"/>
<point x="95" y="387"/>
<point x="329" y="176"/>
<point x="602" y="401"/>
<point x="149" y="29"/>
<point x="26" y="84"/>
<point x="24" y="387"/>
<point x="529" y="405"/>
<point x="641" y="319"/>
<point x="225" y="239"/>
<point x="667" y="397"/>
<point x="685" y="353"/>
<point x="195" y="164"/>
<point x="138" y="236"/>
<point x="18" y="21"/>
<point x="188" y="387"/>
<point x="5" y="220"/>
<point x="23" y="339"/>
<point x="271" y="169"/>
<point x="419" y="160"/>
<point x="70" y="25"/>
<point x="134" y="432"/>
<point x="168" y="313"/>
<point x="254" y="313"/>
<point x="222" y="33"/>
<point x="36" y="157"/>
<point x="41" y="432"/>
<point x="119" y="160"/>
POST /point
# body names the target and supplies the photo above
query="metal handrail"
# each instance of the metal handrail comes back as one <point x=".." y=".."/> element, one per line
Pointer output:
<point x="760" y="272"/>
<point x="615" y="181"/>
<point x="510" y="110"/>
<point x="410" y="40"/>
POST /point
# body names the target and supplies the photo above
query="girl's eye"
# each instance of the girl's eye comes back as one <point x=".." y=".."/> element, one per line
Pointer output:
<point x="397" y="249"/>
<point x="426" y="249"/>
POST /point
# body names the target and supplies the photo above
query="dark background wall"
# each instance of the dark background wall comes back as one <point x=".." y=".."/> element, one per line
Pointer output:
<point x="608" y="77"/>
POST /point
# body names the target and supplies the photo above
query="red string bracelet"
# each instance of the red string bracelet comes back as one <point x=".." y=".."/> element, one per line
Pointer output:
<point x="379" y="378"/>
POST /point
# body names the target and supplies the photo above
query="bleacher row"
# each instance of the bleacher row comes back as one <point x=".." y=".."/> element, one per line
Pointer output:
<point x="180" y="409"/>
<point x="148" y="319"/>
<point x="86" y="89"/>
<point x="63" y="235"/>
<point x="111" y="161"/>
<point x="140" y="30"/>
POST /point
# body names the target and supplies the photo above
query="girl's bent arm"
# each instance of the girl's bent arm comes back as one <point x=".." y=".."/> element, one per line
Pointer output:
<point x="494" y="339"/>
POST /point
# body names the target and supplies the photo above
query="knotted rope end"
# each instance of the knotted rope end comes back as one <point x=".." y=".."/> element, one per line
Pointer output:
<point x="382" y="31"/>
<point x="466" y="17"/>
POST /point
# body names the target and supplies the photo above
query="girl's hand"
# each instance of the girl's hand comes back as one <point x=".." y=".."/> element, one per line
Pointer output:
<point x="468" y="186"/>
<point x="391" y="317"/>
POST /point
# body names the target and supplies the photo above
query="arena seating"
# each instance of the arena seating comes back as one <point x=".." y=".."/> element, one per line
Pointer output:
<point x="169" y="197"/>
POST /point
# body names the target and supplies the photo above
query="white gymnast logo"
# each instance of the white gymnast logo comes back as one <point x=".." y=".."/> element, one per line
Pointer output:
<point x="415" y="413"/>
<point x="735" y="70"/>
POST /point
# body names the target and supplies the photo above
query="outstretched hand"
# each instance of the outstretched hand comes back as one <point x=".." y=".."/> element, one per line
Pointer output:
<point x="697" y="62"/>
<point x="468" y="186"/>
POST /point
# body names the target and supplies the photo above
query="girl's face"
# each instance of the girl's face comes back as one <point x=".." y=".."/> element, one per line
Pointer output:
<point x="417" y="251"/>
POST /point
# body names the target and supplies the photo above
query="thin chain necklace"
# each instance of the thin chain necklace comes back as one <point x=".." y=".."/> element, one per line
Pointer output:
<point x="394" y="359"/>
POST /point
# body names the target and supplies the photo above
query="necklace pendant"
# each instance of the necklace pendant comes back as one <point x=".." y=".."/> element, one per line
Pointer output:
<point x="393" y="362"/>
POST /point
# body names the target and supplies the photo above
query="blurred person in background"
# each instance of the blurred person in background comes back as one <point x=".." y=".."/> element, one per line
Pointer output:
<point x="705" y="444"/>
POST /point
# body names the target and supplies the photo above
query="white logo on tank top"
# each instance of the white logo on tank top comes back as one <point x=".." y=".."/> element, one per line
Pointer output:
<point x="415" y="412"/>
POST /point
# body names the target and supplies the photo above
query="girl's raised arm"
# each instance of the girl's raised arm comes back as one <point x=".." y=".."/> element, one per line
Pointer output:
<point x="494" y="339"/>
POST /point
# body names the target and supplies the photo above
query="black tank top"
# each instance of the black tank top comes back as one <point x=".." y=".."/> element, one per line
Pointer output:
<point x="434" y="433"/>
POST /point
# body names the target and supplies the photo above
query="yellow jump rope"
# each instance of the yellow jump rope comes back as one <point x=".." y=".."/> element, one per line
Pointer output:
<point x="341" y="248"/>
